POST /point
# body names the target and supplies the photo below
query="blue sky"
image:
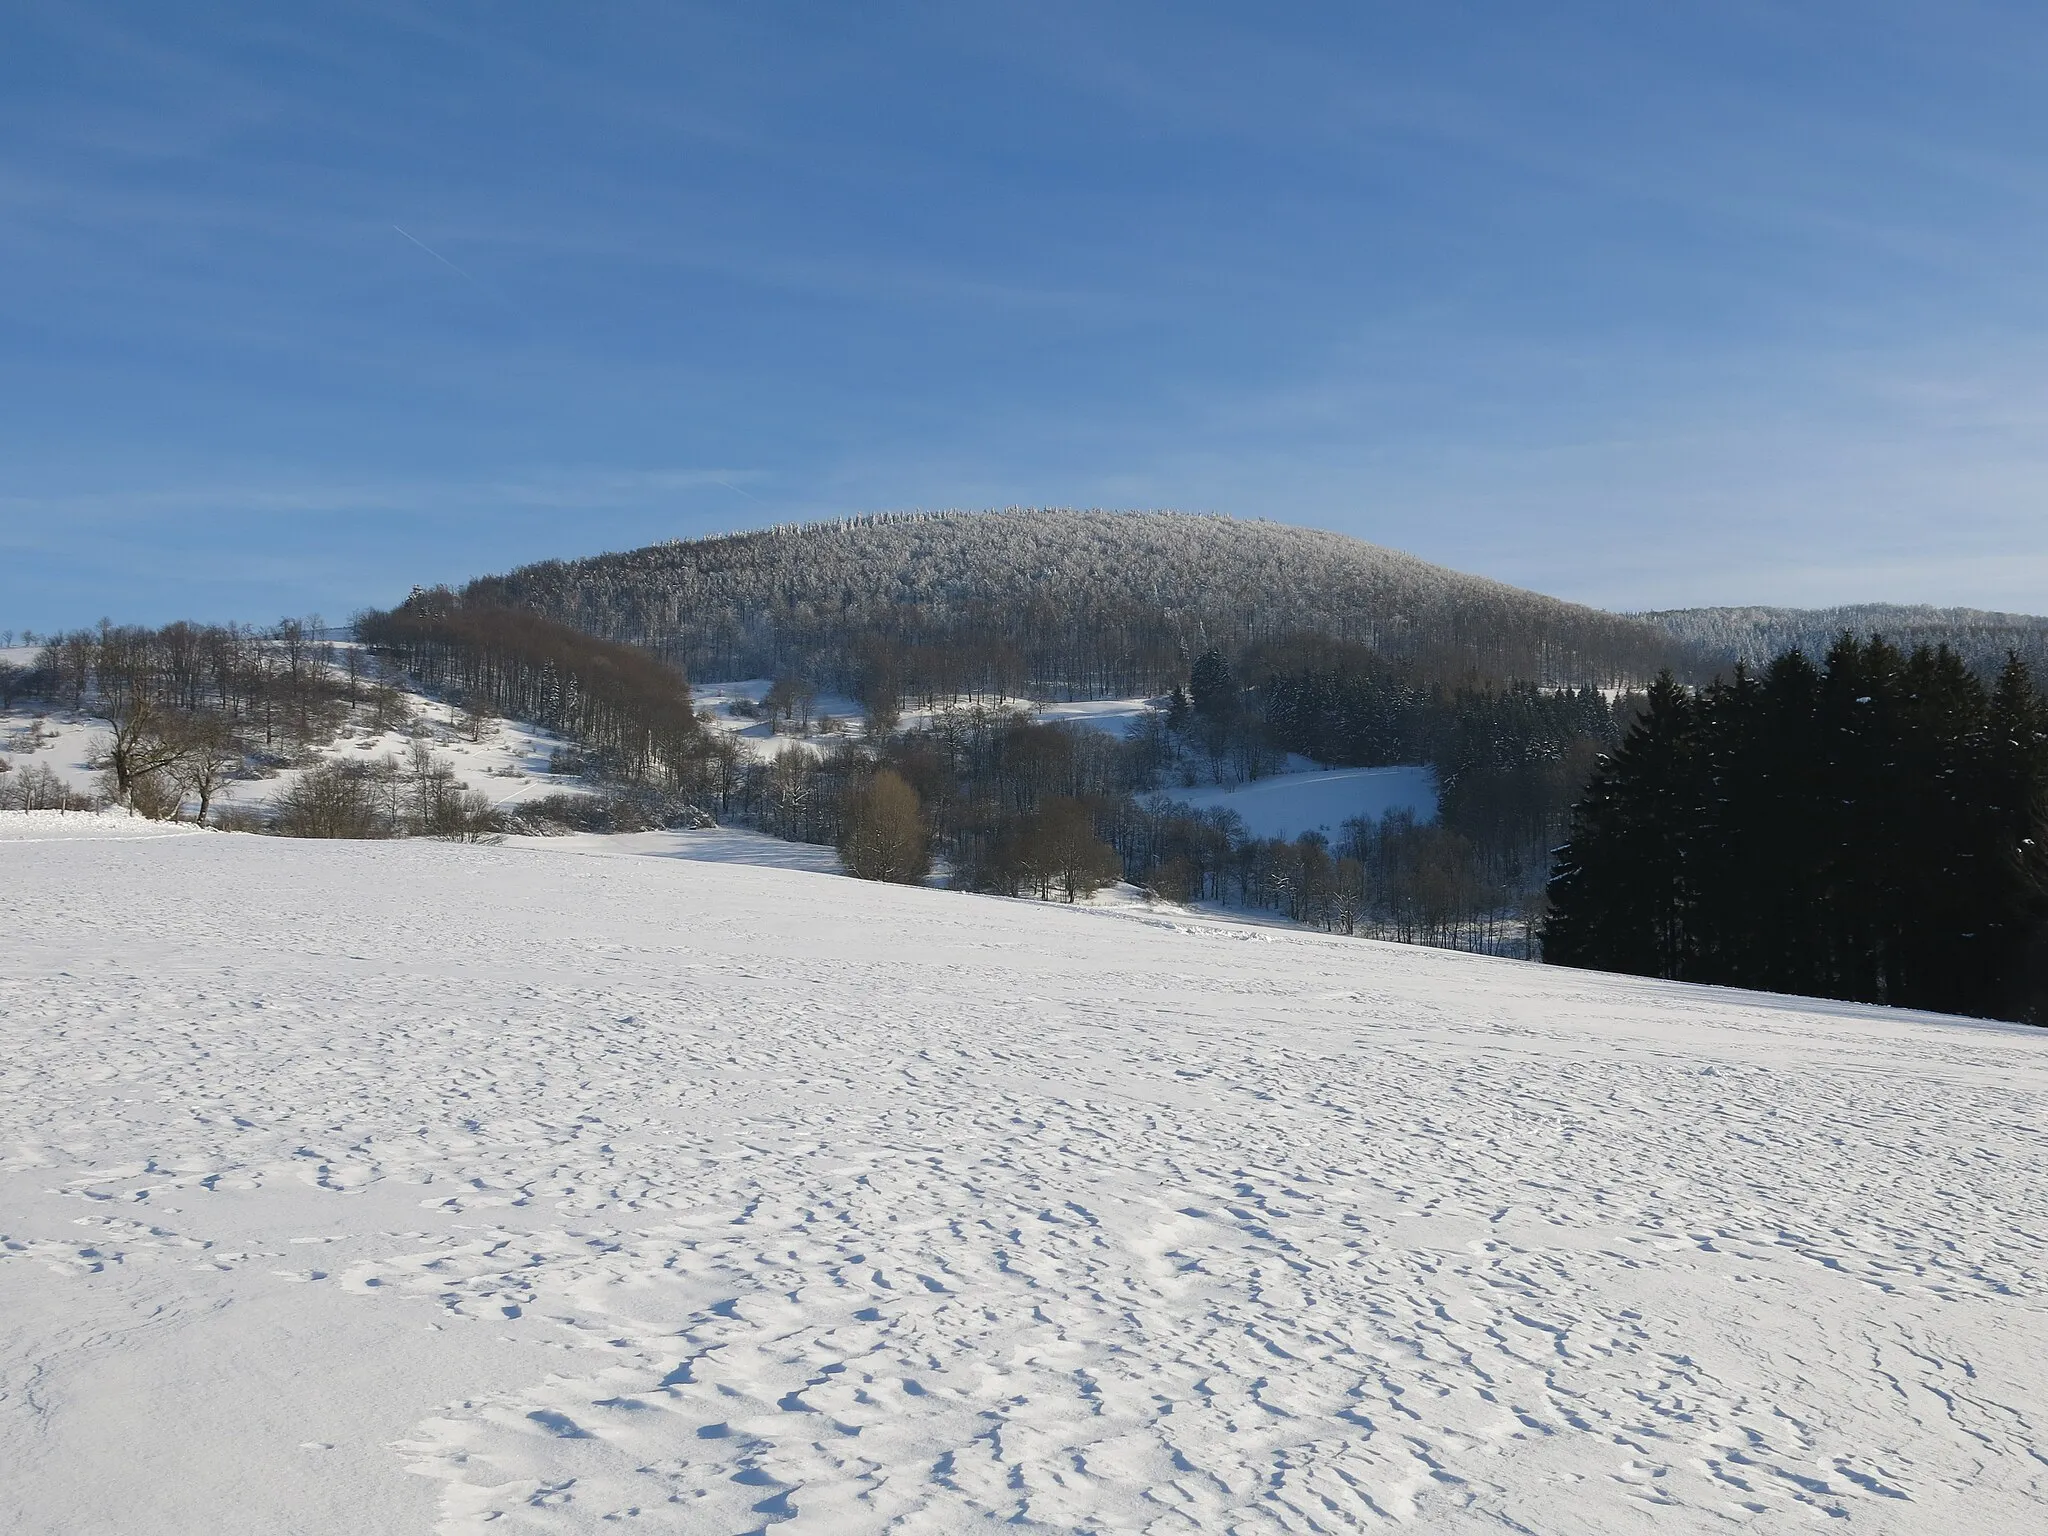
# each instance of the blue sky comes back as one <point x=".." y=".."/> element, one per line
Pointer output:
<point x="1640" y="305"/>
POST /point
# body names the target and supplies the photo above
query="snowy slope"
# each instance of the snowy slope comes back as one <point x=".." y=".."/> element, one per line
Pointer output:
<point x="1113" y="717"/>
<point x="64" y="743"/>
<point x="1289" y="804"/>
<point x="643" y="1193"/>
<point x="508" y="765"/>
<point x="70" y="826"/>
<point x="711" y="845"/>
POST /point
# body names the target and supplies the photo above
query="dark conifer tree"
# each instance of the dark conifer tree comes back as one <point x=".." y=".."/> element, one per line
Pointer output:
<point x="1215" y="692"/>
<point x="1621" y="895"/>
<point x="2015" y="791"/>
<point x="1775" y="817"/>
<point x="1872" y="831"/>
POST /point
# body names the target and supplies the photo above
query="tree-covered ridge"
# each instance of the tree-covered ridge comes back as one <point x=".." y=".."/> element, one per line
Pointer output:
<point x="1874" y="828"/>
<point x="1983" y="639"/>
<point x="1092" y="603"/>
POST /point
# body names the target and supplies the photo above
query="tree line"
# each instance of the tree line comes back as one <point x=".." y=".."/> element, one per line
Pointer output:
<point x="630" y="709"/>
<point x="1983" y="640"/>
<point x="1011" y="804"/>
<point x="1873" y="828"/>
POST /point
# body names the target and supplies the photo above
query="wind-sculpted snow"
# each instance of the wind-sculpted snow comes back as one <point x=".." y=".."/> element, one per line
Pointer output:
<point x="650" y="1194"/>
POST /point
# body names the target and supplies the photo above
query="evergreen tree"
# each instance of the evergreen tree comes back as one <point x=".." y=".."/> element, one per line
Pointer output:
<point x="1177" y="709"/>
<point x="1215" y="692"/>
<point x="1620" y="898"/>
<point x="2015" y="790"/>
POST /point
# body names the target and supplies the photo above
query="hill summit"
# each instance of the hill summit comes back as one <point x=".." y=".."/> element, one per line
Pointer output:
<point x="1090" y="602"/>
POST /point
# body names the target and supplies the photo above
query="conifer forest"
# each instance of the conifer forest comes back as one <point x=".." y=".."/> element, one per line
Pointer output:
<point x="1868" y="828"/>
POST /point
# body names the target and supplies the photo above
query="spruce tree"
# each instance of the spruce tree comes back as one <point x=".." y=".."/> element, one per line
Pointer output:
<point x="1620" y="897"/>
<point x="2015" y="787"/>
<point x="1215" y="693"/>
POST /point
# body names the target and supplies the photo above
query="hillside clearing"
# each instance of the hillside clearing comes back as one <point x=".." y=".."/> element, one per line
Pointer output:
<point x="1321" y="800"/>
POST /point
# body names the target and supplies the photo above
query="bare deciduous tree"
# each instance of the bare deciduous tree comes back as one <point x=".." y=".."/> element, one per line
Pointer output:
<point x="38" y="788"/>
<point x="211" y="757"/>
<point x="333" y="800"/>
<point x="884" y="837"/>
<point x="143" y="742"/>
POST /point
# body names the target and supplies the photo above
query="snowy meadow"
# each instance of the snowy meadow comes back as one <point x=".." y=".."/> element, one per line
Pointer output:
<point x="398" y="1186"/>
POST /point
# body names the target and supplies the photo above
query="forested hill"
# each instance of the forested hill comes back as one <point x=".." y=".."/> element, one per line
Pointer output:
<point x="1101" y="603"/>
<point x="1725" y="636"/>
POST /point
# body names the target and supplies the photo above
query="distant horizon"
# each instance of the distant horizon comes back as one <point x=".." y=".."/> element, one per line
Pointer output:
<point x="1693" y="306"/>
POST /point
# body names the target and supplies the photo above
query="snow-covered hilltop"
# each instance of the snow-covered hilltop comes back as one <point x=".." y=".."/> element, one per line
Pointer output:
<point x="616" y="1193"/>
<point x="1101" y="604"/>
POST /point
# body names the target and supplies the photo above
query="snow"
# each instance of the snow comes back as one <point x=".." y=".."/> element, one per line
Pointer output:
<point x="709" y="845"/>
<point x="63" y="743"/>
<point x="760" y="738"/>
<point x="1289" y="804"/>
<point x="67" y="826"/>
<point x="1113" y="717"/>
<point x="603" y="1193"/>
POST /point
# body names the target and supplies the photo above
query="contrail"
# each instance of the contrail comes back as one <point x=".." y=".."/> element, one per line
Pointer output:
<point x="436" y="255"/>
<point x="736" y="490"/>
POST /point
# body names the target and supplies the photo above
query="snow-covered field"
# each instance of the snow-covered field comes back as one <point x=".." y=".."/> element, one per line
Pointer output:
<point x="382" y="1187"/>
<point x="1289" y="804"/>
<point x="711" y="845"/>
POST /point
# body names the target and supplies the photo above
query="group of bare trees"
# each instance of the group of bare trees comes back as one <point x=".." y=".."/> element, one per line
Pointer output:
<point x="1012" y="803"/>
<point x="277" y="688"/>
<point x="414" y="796"/>
<point x="882" y="833"/>
<point x="1053" y="851"/>
<point x="1416" y="882"/>
<point x="188" y="707"/>
<point x="630" y="710"/>
<point x="1024" y="807"/>
<point x="156" y="756"/>
<point x="38" y="788"/>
